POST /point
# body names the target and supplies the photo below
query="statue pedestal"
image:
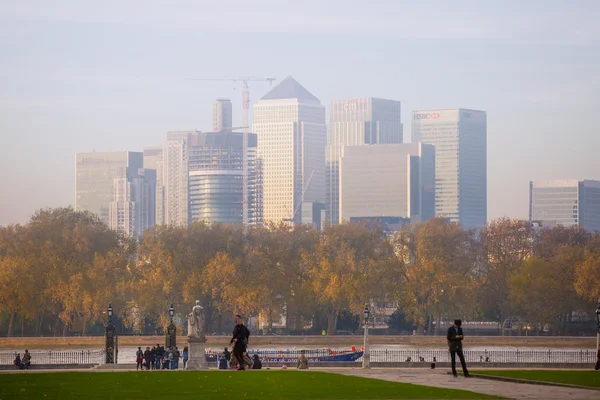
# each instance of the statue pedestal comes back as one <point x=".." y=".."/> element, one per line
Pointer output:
<point x="196" y="348"/>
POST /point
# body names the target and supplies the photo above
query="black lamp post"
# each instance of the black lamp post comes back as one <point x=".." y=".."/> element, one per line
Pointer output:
<point x="598" y="326"/>
<point x="366" y="355"/>
<point x="171" y="338"/>
<point x="109" y="337"/>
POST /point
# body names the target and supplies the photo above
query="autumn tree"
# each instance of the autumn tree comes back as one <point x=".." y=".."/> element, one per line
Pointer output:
<point x="505" y="245"/>
<point x="437" y="260"/>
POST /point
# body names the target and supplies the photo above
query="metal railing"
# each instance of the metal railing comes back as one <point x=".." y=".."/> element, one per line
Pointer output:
<point x="474" y="356"/>
<point x="57" y="357"/>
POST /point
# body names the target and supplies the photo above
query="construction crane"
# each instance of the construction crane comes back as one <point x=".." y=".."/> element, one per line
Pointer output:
<point x="245" y="106"/>
<point x="301" y="199"/>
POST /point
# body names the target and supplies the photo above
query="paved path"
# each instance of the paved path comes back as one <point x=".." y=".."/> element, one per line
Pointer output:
<point x="440" y="378"/>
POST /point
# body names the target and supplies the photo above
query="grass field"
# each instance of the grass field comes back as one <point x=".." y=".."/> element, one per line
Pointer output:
<point x="284" y="385"/>
<point x="579" y="378"/>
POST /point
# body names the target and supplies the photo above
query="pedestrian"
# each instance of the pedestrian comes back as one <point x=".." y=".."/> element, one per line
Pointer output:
<point x="598" y="360"/>
<point x="152" y="357"/>
<point x="147" y="358"/>
<point x="159" y="355"/>
<point x="171" y="358"/>
<point x="185" y="356"/>
<point x="139" y="358"/>
<point x="455" y="337"/>
<point x="239" y="340"/>
<point x="227" y="354"/>
<point x="256" y="363"/>
<point x="26" y="359"/>
<point x="302" y="361"/>
<point x="176" y="356"/>
<point x="17" y="362"/>
<point x="222" y="361"/>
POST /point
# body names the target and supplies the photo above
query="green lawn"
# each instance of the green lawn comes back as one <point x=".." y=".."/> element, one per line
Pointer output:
<point x="579" y="378"/>
<point x="263" y="385"/>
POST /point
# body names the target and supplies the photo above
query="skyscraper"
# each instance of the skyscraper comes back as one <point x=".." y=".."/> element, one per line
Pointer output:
<point x="355" y="122"/>
<point x="387" y="180"/>
<point x="222" y="115"/>
<point x="95" y="175"/>
<point x="133" y="208"/>
<point x="290" y="125"/>
<point x="153" y="160"/>
<point x="176" y="176"/>
<point x="215" y="177"/>
<point x="565" y="202"/>
<point x="460" y="140"/>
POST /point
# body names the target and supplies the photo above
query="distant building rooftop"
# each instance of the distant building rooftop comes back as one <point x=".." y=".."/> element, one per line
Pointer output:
<point x="289" y="88"/>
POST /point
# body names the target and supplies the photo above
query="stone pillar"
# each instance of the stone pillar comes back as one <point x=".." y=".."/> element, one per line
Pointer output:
<point x="196" y="348"/>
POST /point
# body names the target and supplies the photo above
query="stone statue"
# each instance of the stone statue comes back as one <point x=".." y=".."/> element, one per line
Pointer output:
<point x="196" y="321"/>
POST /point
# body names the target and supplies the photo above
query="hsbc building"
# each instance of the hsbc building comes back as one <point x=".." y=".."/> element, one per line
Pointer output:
<point x="460" y="140"/>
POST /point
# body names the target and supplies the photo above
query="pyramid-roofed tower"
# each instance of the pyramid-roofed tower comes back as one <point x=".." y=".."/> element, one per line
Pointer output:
<point x="289" y="88"/>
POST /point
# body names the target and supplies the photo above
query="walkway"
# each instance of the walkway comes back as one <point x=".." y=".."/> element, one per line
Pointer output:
<point x="440" y="378"/>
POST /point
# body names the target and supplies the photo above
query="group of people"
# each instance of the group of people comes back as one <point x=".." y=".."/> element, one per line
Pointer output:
<point x="22" y="363"/>
<point x="160" y="358"/>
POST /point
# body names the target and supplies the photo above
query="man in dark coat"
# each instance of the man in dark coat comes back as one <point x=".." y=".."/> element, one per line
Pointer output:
<point x="239" y="341"/>
<point x="455" y="337"/>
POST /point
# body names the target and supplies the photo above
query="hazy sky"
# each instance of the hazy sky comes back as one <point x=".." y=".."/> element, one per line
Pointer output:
<point x="77" y="75"/>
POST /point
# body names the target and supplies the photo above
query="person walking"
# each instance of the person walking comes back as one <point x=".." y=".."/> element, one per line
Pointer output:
<point x="185" y="356"/>
<point x="455" y="337"/>
<point x="139" y="358"/>
<point x="598" y="361"/>
<point x="239" y="340"/>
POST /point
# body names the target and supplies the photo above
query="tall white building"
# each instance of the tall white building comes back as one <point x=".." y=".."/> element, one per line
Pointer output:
<point x="354" y="122"/>
<point x="460" y="140"/>
<point x="176" y="176"/>
<point x="565" y="202"/>
<point x="132" y="210"/>
<point x="290" y="126"/>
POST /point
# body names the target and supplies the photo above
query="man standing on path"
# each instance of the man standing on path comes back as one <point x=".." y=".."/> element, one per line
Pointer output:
<point x="240" y="341"/>
<point x="455" y="337"/>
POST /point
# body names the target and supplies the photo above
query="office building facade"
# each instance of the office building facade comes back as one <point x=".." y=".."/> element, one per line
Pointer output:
<point x="460" y="140"/>
<point x="215" y="178"/>
<point x="222" y="115"/>
<point x="95" y="175"/>
<point x="290" y="126"/>
<point x="387" y="181"/>
<point x="153" y="160"/>
<point x="356" y="122"/>
<point x="133" y="209"/>
<point x="565" y="202"/>
<point x="176" y="176"/>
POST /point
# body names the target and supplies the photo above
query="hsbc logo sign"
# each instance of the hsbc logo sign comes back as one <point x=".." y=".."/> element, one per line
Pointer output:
<point x="426" y="116"/>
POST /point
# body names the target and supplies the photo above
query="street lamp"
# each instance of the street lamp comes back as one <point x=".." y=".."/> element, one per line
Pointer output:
<point x="366" y="355"/>
<point x="598" y="326"/>
<point x="171" y="337"/>
<point x="109" y="337"/>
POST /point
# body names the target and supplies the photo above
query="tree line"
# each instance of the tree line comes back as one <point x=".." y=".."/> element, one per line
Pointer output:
<point x="59" y="272"/>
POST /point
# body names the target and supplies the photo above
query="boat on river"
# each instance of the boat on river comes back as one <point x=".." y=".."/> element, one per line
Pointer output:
<point x="287" y="356"/>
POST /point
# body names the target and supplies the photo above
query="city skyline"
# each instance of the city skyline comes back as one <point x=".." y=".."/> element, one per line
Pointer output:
<point x="80" y="78"/>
